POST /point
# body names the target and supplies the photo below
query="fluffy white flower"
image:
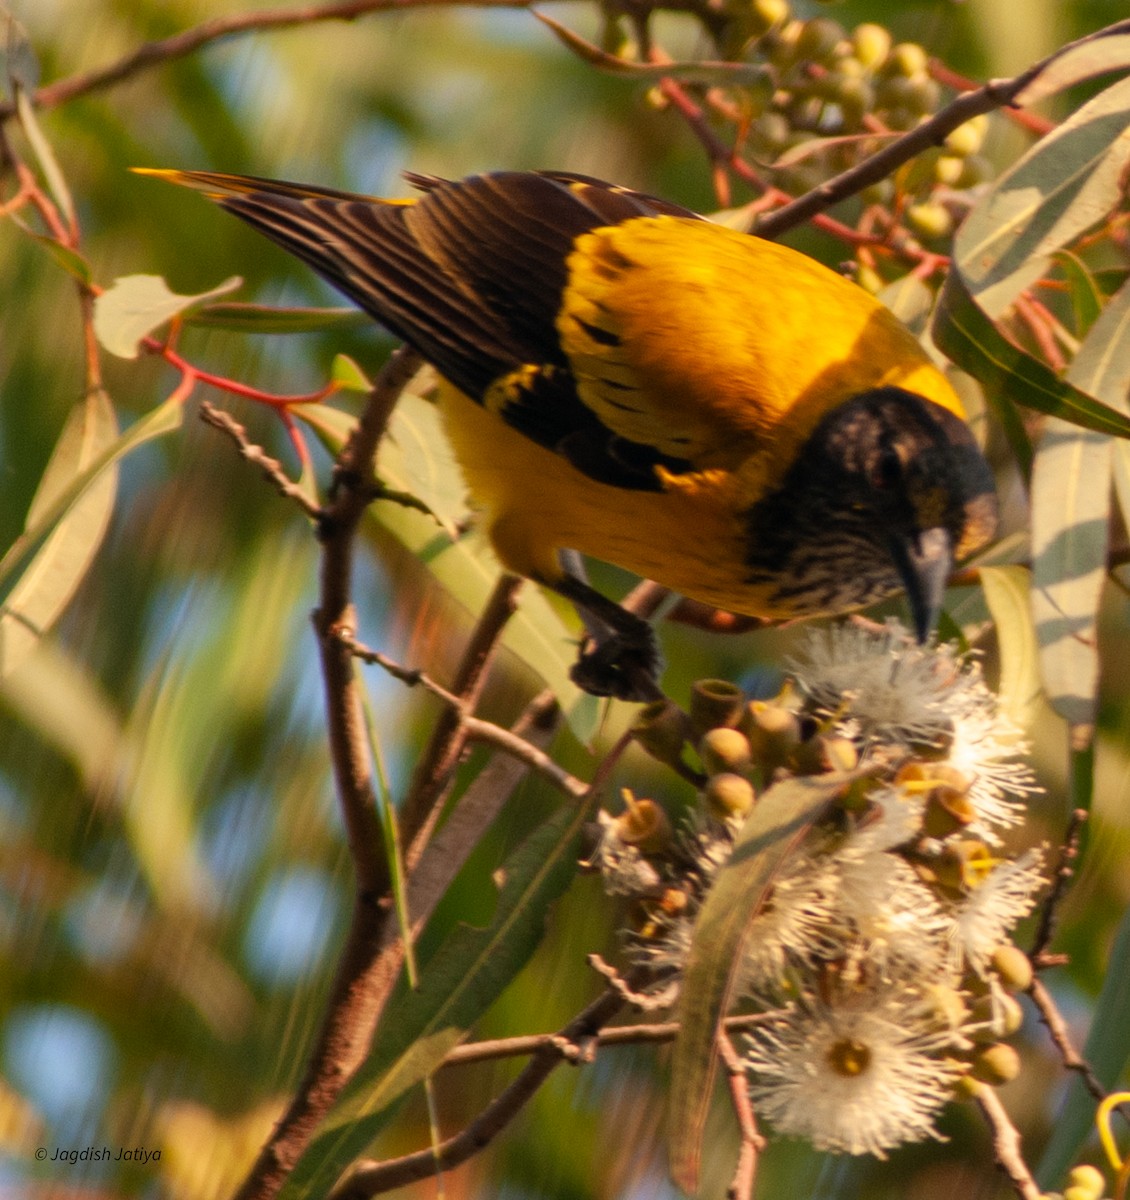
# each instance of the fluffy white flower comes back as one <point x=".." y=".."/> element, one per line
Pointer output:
<point x="857" y="1077"/>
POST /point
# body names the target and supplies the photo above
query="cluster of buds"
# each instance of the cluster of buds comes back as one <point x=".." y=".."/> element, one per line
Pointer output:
<point x="879" y="956"/>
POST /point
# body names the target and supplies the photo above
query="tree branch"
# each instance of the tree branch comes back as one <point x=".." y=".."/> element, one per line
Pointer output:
<point x="1006" y="1144"/>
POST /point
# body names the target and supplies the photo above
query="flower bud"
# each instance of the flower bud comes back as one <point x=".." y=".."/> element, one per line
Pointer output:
<point x="1084" y="1182"/>
<point x="728" y="795"/>
<point x="996" y="1064"/>
<point x="725" y="749"/>
<point x="1013" y="966"/>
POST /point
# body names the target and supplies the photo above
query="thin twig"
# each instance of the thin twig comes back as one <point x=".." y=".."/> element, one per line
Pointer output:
<point x="178" y="45"/>
<point x="1006" y="1144"/>
<point x="652" y="1033"/>
<point x="579" y="1035"/>
<point x="502" y="739"/>
<point x="271" y="468"/>
<point x="1061" y="1038"/>
<point x="1061" y="881"/>
<point x="752" y="1143"/>
<point x="432" y="778"/>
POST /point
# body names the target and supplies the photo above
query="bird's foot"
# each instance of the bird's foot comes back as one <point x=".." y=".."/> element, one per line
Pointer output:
<point x="625" y="665"/>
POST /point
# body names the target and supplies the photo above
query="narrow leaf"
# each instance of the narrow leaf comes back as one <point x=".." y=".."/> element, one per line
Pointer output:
<point x="45" y="156"/>
<point x="1086" y="297"/>
<point x="774" y="831"/>
<point x="457" y="986"/>
<point x="348" y="375"/>
<point x="49" y="579"/>
<point x="1068" y="182"/>
<point x="135" y="305"/>
<point x="968" y="337"/>
<point x="1107" y="1050"/>
<point x="264" y="318"/>
<point x="163" y="419"/>
<point x="1097" y="55"/>
<point x="1071" y="489"/>
<point x="1008" y="594"/>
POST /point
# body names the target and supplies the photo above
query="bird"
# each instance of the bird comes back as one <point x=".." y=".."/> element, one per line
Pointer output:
<point x="624" y="379"/>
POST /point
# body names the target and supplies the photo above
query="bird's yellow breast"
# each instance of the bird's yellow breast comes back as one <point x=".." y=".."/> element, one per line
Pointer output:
<point x="535" y="502"/>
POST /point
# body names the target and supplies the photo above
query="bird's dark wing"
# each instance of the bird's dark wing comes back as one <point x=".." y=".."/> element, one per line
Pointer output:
<point x="472" y="275"/>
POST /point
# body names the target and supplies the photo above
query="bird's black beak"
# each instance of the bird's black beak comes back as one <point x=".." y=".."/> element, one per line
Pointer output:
<point x="924" y="561"/>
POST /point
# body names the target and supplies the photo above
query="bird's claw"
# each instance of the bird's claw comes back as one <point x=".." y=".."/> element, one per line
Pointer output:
<point x="623" y="666"/>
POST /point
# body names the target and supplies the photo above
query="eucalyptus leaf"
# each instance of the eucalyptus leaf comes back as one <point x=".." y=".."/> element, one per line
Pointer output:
<point x="134" y="305"/>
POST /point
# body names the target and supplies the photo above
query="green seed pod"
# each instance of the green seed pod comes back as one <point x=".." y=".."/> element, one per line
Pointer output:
<point x="856" y="97"/>
<point x="1084" y="1182"/>
<point x="996" y="1064"/>
<point x="967" y="139"/>
<point x="765" y="14"/>
<point x="662" y="729"/>
<point x="729" y="795"/>
<point x="1013" y="966"/>
<point x="872" y="44"/>
<point x="819" y="39"/>
<point x="948" y="169"/>
<point x="725" y="749"/>
<point x="781" y="44"/>
<point x="930" y="219"/>
<point x="907" y="59"/>
<point x="714" y="703"/>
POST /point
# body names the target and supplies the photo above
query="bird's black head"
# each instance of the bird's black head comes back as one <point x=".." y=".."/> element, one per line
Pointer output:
<point x="888" y="490"/>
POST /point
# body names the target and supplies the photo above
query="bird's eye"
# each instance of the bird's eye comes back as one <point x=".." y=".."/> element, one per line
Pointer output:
<point x="887" y="472"/>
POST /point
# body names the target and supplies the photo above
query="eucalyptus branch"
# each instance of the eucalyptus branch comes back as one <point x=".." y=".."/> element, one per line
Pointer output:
<point x="1061" y="881"/>
<point x="188" y="41"/>
<point x="656" y="1033"/>
<point x="1006" y="1144"/>
<point x="270" y="467"/>
<point x="1061" y="1038"/>
<point x="578" y="1035"/>
<point x="357" y="996"/>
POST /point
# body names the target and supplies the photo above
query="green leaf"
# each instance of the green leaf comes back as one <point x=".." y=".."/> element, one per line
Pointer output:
<point x="265" y="318"/>
<point x="458" y="985"/>
<point x="1107" y="1050"/>
<point x="1068" y="182"/>
<point x="1097" y="55"/>
<point x="1071" y="481"/>
<point x="773" y="832"/>
<point x="348" y="375"/>
<point x="1008" y="595"/>
<point x="19" y="64"/>
<point x="967" y="336"/>
<point x="52" y="508"/>
<point x="135" y="305"/>
<point x="45" y="156"/>
<point x="1086" y="296"/>
<point x="1071" y="490"/>
<point x="48" y="580"/>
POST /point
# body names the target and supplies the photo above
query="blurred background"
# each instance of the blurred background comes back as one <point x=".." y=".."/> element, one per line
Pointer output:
<point x="173" y="880"/>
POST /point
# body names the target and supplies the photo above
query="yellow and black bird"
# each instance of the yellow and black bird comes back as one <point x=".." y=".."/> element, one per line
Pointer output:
<point x="625" y="379"/>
